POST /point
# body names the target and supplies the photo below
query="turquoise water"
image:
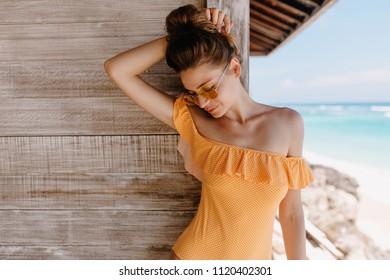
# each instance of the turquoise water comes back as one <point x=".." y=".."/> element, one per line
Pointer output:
<point x="351" y="132"/>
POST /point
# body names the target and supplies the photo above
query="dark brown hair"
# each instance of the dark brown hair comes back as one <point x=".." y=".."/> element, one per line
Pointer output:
<point x="194" y="40"/>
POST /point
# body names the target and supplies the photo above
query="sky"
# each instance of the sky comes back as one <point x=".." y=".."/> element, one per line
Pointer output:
<point x="342" y="57"/>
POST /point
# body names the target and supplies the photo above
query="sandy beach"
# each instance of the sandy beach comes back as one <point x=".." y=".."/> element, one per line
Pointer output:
<point x="374" y="191"/>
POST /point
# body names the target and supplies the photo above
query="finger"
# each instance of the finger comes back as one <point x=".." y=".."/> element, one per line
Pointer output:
<point x="208" y="14"/>
<point x="221" y="16"/>
<point x="230" y="27"/>
<point x="226" y="20"/>
<point x="214" y="16"/>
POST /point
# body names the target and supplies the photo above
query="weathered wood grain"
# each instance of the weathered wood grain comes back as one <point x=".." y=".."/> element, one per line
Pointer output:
<point x="137" y="229"/>
<point x="81" y="252"/>
<point x="76" y="116"/>
<point x="66" y="48"/>
<point x="238" y="11"/>
<point x="73" y="78"/>
<point x="137" y="28"/>
<point x="85" y="173"/>
<point x="149" y="192"/>
<point x="90" y="154"/>
<point x="74" y="11"/>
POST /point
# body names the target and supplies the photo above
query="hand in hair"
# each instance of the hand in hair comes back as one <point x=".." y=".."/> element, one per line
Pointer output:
<point x="218" y="17"/>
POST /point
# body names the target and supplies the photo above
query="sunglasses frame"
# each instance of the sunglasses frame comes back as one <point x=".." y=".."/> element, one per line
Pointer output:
<point x="192" y="99"/>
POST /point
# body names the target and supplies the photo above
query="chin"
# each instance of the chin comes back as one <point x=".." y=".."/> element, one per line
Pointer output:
<point x="216" y="115"/>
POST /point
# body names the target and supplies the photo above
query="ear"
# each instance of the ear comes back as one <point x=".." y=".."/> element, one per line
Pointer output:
<point x="236" y="66"/>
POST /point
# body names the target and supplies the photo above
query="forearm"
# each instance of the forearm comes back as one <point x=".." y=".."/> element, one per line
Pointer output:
<point x="135" y="61"/>
<point x="294" y="236"/>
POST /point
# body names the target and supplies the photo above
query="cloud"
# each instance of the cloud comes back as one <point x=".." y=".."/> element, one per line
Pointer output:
<point x="258" y="72"/>
<point x="371" y="76"/>
<point x="353" y="78"/>
<point x="288" y="84"/>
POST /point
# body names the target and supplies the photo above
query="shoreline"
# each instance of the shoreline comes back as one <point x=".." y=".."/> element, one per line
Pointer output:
<point x="374" y="192"/>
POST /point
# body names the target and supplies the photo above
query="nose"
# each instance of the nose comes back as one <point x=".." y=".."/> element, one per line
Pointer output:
<point x="202" y="101"/>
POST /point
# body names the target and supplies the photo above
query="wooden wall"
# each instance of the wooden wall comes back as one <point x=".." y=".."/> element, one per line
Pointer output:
<point x="84" y="173"/>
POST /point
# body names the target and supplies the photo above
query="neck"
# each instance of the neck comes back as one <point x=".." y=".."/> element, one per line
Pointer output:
<point x="243" y="107"/>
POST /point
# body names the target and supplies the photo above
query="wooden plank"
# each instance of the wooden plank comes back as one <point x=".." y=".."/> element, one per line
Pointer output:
<point x="270" y="27"/>
<point x="265" y="40"/>
<point x="73" y="79"/>
<point x="140" y="229"/>
<point x="41" y="30"/>
<point x="312" y="3"/>
<point x="255" y="25"/>
<point x="301" y="26"/>
<point x="292" y="7"/>
<point x="315" y="252"/>
<point x="157" y="191"/>
<point x="82" y="252"/>
<point x="74" y="11"/>
<point x="90" y="154"/>
<point x="238" y="10"/>
<point x="72" y="49"/>
<point x="322" y="240"/>
<point x="255" y="14"/>
<point x="76" y="116"/>
<point x="274" y="13"/>
<point x="136" y="28"/>
<point x="260" y="45"/>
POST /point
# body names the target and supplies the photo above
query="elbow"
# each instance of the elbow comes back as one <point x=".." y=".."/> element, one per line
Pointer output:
<point x="113" y="70"/>
<point x="108" y="66"/>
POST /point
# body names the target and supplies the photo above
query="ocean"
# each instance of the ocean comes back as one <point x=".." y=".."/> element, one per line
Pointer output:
<point x="355" y="140"/>
<point x="358" y="133"/>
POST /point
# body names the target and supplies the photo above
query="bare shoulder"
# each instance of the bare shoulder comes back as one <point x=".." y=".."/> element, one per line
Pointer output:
<point x="285" y="116"/>
<point x="288" y="126"/>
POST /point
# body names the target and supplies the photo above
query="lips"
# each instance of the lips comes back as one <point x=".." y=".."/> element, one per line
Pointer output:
<point x="212" y="109"/>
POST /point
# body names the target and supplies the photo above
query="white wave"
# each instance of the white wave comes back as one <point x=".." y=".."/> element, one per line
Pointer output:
<point x="331" y="108"/>
<point x="387" y="115"/>
<point x="380" y="108"/>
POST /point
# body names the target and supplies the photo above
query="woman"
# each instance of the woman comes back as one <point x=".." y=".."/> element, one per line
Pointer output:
<point x="247" y="155"/>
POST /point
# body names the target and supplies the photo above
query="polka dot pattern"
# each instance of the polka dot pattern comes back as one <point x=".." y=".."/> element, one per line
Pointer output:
<point x="241" y="191"/>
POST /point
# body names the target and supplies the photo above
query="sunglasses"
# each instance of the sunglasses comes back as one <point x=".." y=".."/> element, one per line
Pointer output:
<point x="209" y="93"/>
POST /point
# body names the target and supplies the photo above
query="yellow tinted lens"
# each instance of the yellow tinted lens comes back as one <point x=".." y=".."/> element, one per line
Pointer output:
<point x="189" y="98"/>
<point x="208" y="93"/>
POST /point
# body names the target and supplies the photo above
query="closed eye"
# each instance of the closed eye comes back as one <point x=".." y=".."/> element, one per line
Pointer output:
<point x="209" y="89"/>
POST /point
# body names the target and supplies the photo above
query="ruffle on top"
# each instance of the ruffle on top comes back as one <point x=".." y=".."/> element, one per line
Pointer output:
<point x="260" y="167"/>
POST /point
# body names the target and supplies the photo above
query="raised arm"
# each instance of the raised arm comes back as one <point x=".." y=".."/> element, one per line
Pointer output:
<point x="124" y="68"/>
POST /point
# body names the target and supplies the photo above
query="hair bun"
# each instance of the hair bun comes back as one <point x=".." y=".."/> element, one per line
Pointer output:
<point x="187" y="19"/>
<point x="194" y="40"/>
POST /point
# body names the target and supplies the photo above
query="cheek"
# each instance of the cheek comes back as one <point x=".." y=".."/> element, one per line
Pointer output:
<point x="226" y="98"/>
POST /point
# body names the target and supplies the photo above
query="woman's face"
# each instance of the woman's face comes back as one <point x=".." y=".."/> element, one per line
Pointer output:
<point x="205" y="77"/>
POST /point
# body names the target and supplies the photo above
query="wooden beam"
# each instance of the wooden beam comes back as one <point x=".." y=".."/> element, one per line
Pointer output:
<point x="90" y="154"/>
<point x="259" y="49"/>
<point x="263" y="39"/>
<point x="72" y="79"/>
<point x="275" y="13"/>
<point x="322" y="240"/>
<point x="152" y="251"/>
<point x="76" y="116"/>
<point x="261" y="45"/>
<point x="110" y="191"/>
<point x="315" y="3"/>
<point x="305" y="24"/>
<point x="277" y="31"/>
<point x="42" y="233"/>
<point x="256" y="14"/>
<point x="238" y="10"/>
<point x="277" y="36"/>
<point x="287" y="8"/>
